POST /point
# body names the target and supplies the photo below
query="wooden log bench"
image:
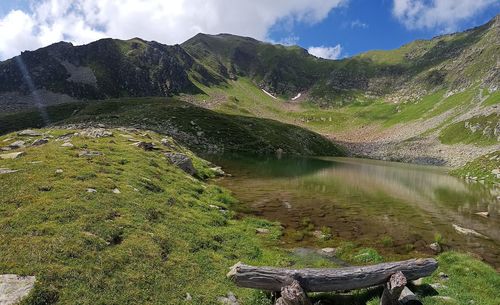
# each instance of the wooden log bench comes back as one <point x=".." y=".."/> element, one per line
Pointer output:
<point x="294" y="283"/>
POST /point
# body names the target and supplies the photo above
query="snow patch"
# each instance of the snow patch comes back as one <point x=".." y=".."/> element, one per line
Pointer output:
<point x="274" y="97"/>
<point x="297" y="96"/>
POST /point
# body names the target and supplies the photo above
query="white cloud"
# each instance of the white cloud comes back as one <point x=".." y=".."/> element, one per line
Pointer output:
<point x="167" y="21"/>
<point x="326" y="52"/>
<point x="443" y="15"/>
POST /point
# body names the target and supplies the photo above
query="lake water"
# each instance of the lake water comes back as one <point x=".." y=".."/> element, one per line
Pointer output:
<point x="368" y="201"/>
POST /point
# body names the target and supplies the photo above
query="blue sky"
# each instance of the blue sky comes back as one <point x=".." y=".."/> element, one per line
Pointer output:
<point x="327" y="28"/>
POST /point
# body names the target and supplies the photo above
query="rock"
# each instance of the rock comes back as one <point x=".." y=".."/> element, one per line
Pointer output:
<point x="436" y="247"/>
<point x="418" y="282"/>
<point x="96" y="133"/>
<point x="470" y="232"/>
<point x="89" y="153"/>
<point x="14" y="155"/>
<point x="229" y="300"/>
<point x="29" y="133"/>
<point x="168" y="143"/>
<point x="329" y="251"/>
<point x="38" y="142"/>
<point x="13" y="288"/>
<point x="496" y="171"/>
<point x="59" y="171"/>
<point x="443" y="276"/>
<point x="262" y="231"/>
<point x="218" y="171"/>
<point x="45" y="188"/>
<point x="146" y="146"/>
<point x="188" y="297"/>
<point x="7" y="171"/>
<point x="67" y="144"/>
<point x="437" y="286"/>
<point x="90" y="190"/>
<point x="116" y="191"/>
<point x="483" y="214"/>
<point x="182" y="161"/>
<point x="17" y="144"/>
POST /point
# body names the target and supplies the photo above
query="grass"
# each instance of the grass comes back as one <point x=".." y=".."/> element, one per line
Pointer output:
<point x="492" y="99"/>
<point x="481" y="168"/>
<point x="201" y="129"/>
<point x="151" y="244"/>
<point x="156" y="240"/>
<point x="459" y="133"/>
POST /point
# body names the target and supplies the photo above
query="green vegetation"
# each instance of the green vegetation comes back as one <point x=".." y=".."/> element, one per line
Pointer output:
<point x="481" y="169"/>
<point x="492" y="99"/>
<point x="477" y="130"/>
<point x="163" y="235"/>
<point x="201" y="129"/>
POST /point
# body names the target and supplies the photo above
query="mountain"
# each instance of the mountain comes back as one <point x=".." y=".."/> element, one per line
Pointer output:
<point x="430" y="101"/>
<point x="111" y="68"/>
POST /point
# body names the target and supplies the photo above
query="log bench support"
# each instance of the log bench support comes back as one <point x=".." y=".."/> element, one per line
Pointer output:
<point x="293" y="284"/>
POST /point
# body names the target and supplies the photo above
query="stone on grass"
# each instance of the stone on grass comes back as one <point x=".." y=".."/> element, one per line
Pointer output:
<point x="38" y="142"/>
<point x="91" y="190"/>
<point x="230" y="299"/>
<point x="7" y="171"/>
<point x="14" y="288"/>
<point x="188" y="297"/>
<point x="14" y="155"/>
<point x="329" y="251"/>
<point x="262" y="231"/>
<point x="147" y="146"/>
<point x="59" y="171"/>
<point x="182" y="161"/>
<point x="116" y="191"/>
<point x="319" y="235"/>
<point x="17" y="144"/>
<point x="67" y="144"/>
<point x="29" y="133"/>
<point x="218" y="171"/>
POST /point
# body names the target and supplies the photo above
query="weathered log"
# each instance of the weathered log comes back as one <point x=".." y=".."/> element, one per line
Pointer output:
<point x="324" y="280"/>
<point x="407" y="297"/>
<point x="393" y="289"/>
<point x="293" y="294"/>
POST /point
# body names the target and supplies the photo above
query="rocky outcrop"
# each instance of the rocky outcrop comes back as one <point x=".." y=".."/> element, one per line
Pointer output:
<point x="13" y="288"/>
<point x="182" y="161"/>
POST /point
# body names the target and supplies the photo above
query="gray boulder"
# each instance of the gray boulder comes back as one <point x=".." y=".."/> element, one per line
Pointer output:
<point x="96" y="133"/>
<point x="182" y="161"/>
<point x="13" y="288"/>
<point x="38" y="142"/>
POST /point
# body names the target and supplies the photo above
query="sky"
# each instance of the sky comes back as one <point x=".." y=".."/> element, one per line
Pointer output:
<point x="326" y="28"/>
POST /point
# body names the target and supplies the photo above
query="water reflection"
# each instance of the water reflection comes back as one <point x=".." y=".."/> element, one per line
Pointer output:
<point x="365" y="200"/>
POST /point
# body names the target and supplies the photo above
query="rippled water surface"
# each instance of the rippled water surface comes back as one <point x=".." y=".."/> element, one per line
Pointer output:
<point x="368" y="201"/>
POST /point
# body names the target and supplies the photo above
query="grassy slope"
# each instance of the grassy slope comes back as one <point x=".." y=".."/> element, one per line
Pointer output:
<point x="481" y="168"/>
<point x="201" y="129"/>
<point x="153" y="245"/>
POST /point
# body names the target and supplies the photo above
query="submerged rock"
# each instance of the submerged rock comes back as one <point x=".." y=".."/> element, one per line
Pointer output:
<point x="13" y="288"/>
<point x="470" y="232"/>
<point x="436" y="247"/>
<point x="182" y="161"/>
<point x="483" y="214"/>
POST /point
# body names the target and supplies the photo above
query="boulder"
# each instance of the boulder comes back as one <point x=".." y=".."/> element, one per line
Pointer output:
<point x="14" y="288"/>
<point x="483" y="214"/>
<point x="329" y="251"/>
<point x="182" y="161"/>
<point x="38" y="142"/>
<point x="17" y="144"/>
<point x="14" y="155"/>
<point x="29" y="133"/>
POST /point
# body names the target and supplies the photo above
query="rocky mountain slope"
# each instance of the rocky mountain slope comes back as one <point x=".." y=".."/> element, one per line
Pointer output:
<point x="425" y="102"/>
